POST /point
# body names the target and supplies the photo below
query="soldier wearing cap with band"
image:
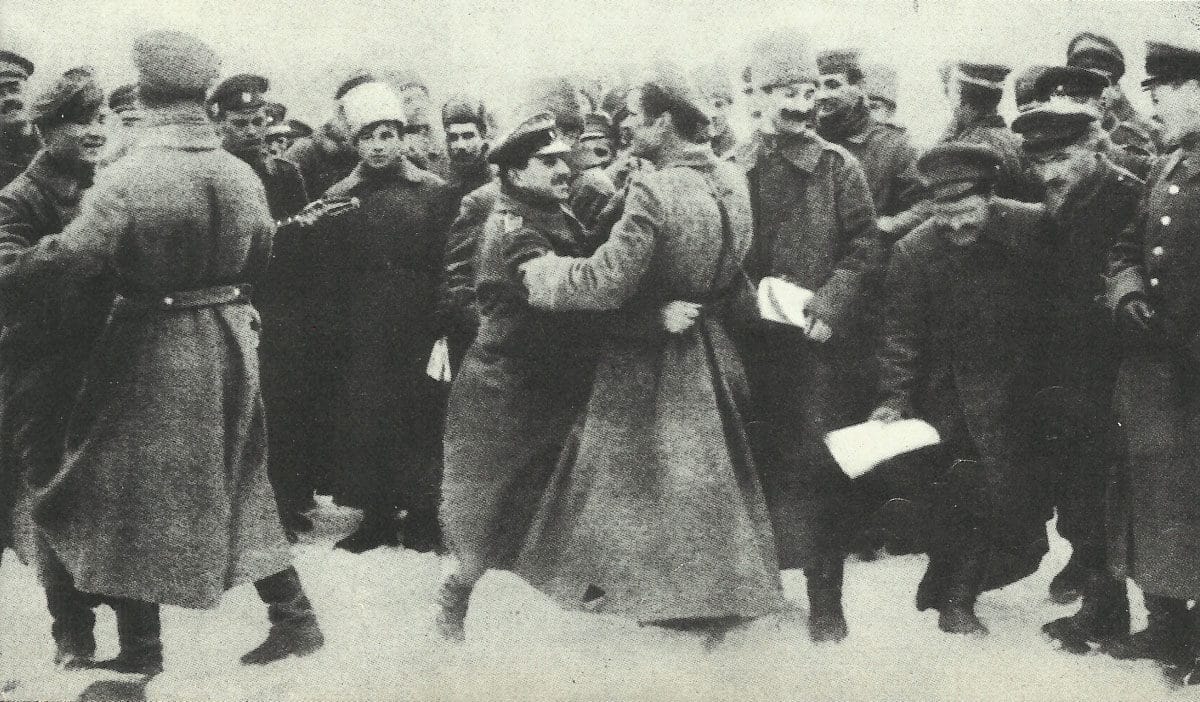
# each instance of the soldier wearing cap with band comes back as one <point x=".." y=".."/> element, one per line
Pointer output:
<point x="1154" y="289"/>
<point x="1128" y="129"/>
<point x="960" y="338"/>
<point x="164" y="498"/>
<point x="494" y="472"/>
<point x="978" y="88"/>
<point x="1025" y="88"/>
<point x="18" y="141"/>
<point x="48" y="335"/>
<point x="1089" y="201"/>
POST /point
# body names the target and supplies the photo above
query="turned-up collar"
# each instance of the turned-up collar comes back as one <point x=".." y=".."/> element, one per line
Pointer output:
<point x="184" y="127"/>
<point x="513" y="202"/>
<point x="802" y="150"/>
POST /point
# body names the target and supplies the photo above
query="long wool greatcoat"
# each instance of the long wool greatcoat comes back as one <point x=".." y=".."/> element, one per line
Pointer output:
<point x="49" y="329"/>
<point x="962" y="332"/>
<point x="385" y="263"/>
<point x="658" y="513"/>
<point x="1154" y="511"/>
<point x="163" y="493"/>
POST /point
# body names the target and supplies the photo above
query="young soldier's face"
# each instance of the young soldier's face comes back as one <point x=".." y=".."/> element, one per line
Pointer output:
<point x="1062" y="170"/>
<point x="380" y="145"/>
<point x="545" y="176"/>
<point x="1177" y="108"/>
<point x="962" y="218"/>
<point x="464" y="144"/>
<point x="244" y="131"/>
<point x="81" y="142"/>
<point x="835" y="94"/>
<point x="790" y="107"/>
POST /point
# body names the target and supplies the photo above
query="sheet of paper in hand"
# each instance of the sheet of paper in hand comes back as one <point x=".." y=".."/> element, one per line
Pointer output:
<point x="859" y="448"/>
<point x="783" y="302"/>
<point x="438" y="367"/>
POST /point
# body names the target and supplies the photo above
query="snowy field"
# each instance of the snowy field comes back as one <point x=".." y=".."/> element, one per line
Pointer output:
<point x="376" y="610"/>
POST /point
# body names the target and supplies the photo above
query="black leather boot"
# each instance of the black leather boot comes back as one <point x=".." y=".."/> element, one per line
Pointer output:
<point x="956" y="614"/>
<point x="826" y="620"/>
<point x="1167" y="637"/>
<point x="375" y="530"/>
<point x="1103" y="616"/>
<point x="1188" y="673"/>
<point x="139" y="632"/>
<point x="453" y="597"/>
<point x="294" y="629"/>
<point x="1067" y="586"/>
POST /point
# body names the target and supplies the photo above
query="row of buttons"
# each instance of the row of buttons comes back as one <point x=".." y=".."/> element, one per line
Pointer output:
<point x="1166" y="222"/>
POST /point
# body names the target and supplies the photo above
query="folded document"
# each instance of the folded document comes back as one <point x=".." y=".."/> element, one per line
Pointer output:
<point x="860" y="448"/>
<point x="783" y="302"/>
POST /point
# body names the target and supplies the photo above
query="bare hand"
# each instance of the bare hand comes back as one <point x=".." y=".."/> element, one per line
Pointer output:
<point x="1136" y="315"/>
<point x="818" y="331"/>
<point x="678" y="316"/>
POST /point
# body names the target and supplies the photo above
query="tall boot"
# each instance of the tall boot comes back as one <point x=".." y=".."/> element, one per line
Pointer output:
<point x="72" y="617"/>
<point x="1165" y="639"/>
<point x="378" y="528"/>
<point x="956" y="615"/>
<point x="453" y="598"/>
<point x="1188" y="673"/>
<point x="294" y="629"/>
<point x="139" y="632"/>
<point x="826" y="620"/>
<point x="1068" y="584"/>
<point x="1103" y="616"/>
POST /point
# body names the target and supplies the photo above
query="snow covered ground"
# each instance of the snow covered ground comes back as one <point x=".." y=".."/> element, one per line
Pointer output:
<point x="376" y="610"/>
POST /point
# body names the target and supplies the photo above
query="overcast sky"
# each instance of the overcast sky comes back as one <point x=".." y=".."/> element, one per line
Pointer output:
<point x="494" y="46"/>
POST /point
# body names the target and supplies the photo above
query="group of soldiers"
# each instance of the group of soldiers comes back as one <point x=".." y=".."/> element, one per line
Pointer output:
<point x="543" y="351"/>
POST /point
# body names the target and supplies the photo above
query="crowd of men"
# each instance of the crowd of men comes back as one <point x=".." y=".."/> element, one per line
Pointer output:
<point x="543" y="351"/>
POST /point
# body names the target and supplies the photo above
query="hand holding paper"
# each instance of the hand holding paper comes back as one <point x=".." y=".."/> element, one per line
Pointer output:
<point x="860" y="448"/>
<point x="438" y="367"/>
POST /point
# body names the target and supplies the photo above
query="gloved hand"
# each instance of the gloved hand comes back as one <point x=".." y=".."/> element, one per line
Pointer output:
<point x="678" y="316"/>
<point x="885" y="414"/>
<point x="1135" y="315"/>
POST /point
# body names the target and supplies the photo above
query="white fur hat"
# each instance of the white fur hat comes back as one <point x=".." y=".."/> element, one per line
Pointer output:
<point x="368" y="104"/>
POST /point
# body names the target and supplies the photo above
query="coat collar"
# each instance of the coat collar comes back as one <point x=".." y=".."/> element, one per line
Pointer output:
<point x="699" y="156"/>
<point x="404" y="172"/>
<point x="802" y="150"/>
<point x="184" y="127"/>
<point x="50" y="174"/>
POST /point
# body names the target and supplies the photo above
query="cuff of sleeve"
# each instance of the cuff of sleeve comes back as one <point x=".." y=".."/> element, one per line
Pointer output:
<point x="831" y="303"/>
<point x="1127" y="281"/>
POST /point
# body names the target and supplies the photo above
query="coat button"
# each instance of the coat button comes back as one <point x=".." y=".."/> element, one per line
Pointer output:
<point x="1154" y="282"/>
<point x="168" y="301"/>
<point x="1174" y="189"/>
<point x="1157" y="251"/>
<point x="1166" y="220"/>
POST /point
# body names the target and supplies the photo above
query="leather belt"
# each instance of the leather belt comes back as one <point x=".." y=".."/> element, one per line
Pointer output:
<point x="189" y="299"/>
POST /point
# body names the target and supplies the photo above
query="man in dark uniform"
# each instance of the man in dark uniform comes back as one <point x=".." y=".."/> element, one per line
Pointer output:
<point x="468" y="127"/>
<point x="289" y="390"/>
<point x="18" y="142"/>
<point x="814" y="226"/>
<point x="977" y="88"/>
<point x="1090" y="201"/>
<point x="1154" y="288"/>
<point x="960" y="337"/>
<point x="1025" y="87"/>
<point x="49" y="333"/>
<point x="1127" y="129"/>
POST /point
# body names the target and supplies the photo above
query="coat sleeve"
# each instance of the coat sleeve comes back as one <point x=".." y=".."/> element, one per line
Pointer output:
<point x="610" y="276"/>
<point x="87" y="245"/>
<point x="863" y="255"/>
<point x="17" y="279"/>
<point x="457" y="311"/>
<point x="903" y="329"/>
<point x="1124" y="273"/>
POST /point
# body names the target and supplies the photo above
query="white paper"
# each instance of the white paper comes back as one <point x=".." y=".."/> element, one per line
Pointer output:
<point x="783" y="302"/>
<point x="438" y="367"/>
<point x="860" y="448"/>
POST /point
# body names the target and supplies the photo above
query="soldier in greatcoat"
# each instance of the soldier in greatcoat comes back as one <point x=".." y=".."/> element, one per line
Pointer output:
<point x="1154" y="289"/>
<point x="162" y="496"/>
<point x="1129" y="130"/>
<point x="1089" y="201"/>
<point x="962" y="329"/>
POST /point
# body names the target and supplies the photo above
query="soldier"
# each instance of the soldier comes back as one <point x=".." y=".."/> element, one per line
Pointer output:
<point x="18" y="142"/>
<point x="127" y="117"/>
<point x="1090" y="201"/>
<point x="815" y="226"/>
<point x="1127" y="129"/>
<point x="163" y="496"/>
<point x="291" y="392"/>
<point x="281" y="136"/>
<point x="1025" y="88"/>
<point x="961" y="334"/>
<point x="594" y="148"/>
<point x="977" y="89"/>
<point x="49" y="332"/>
<point x="327" y="157"/>
<point x="591" y="188"/>
<point x="469" y="127"/>
<point x="879" y="85"/>
<point x="1154" y="288"/>
<point x="387" y="411"/>
<point x="712" y="81"/>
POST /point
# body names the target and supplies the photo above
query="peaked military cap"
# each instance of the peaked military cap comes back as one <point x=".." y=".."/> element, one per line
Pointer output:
<point x="596" y="125"/>
<point x="536" y="136"/>
<point x="1096" y="52"/>
<point x="952" y="168"/>
<point x="1072" y="81"/>
<point x="75" y="97"/>
<point x="1053" y="126"/>
<point x="276" y="112"/>
<point x="174" y="64"/>
<point x="14" y="65"/>
<point x="123" y="98"/>
<point x="839" y="61"/>
<point x="243" y="91"/>
<point x="984" y="75"/>
<point x="1025" y="87"/>
<point x="1166" y="63"/>
<point x="879" y="82"/>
